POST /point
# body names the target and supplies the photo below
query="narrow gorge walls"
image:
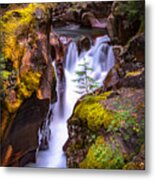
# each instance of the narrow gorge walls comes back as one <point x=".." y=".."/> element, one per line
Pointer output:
<point x="72" y="85"/>
<point x="29" y="87"/>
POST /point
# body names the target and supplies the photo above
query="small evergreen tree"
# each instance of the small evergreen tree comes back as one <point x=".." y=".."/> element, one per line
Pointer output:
<point x="86" y="84"/>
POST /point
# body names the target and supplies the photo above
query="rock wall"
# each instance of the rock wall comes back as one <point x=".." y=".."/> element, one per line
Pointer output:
<point x="106" y="130"/>
<point x="125" y="20"/>
<point x="27" y="97"/>
<point x="87" y="14"/>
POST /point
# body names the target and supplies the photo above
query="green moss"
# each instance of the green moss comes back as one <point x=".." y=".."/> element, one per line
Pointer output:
<point x="12" y="24"/>
<point x="5" y="74"/>
<point x="132" y="9"/>
<point x="90" y="111"/>
<point x="102" y="155"/>
<point x="16" y="25"/>
<point x="123" y="119"/>
<point x="117" y="115"/>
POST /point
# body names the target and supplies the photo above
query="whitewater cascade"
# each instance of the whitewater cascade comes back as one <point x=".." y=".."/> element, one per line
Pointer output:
<point x="101" y="59"/>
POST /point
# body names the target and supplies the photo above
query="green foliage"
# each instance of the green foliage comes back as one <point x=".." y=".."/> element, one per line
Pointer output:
<point x="4" y="75"/>
<point x="103" y="155"/>
<point x="125" y="123"/>
<point x="122" y="119"/>
<point x="118" y="117"/>
<point x="134" y="10"/>
<point x="86" y="84"/>
<point x="28" y="84"/>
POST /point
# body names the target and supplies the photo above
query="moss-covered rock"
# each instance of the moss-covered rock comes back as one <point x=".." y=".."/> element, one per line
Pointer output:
<point x="92" y="113"/>
<point x="30" y="79"/>
<point x="115" y="121"/>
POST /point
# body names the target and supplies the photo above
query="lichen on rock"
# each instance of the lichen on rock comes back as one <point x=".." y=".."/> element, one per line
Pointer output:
<point x="116" y="121"/>
<point x="31" y="79"/>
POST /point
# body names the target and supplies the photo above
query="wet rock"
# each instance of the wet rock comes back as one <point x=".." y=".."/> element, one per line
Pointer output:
<point x="45" y="133"/>
<point x="124" y="136"/>
<point x="120" y="25"/>
<point x="118" y="127"/>
<point x="111" y="27"/>
<point x="26" y="104"/>
<point x="100" y="9"/>
<point x="113" y="78"/>
<point x="85" y="13"/>
<point x="58" y="23"/>
<point x="84" y="43"/>
<point x="72" y="16"/>
<point x="89" y="19"/>
<point x="86" y="18"/>
<point x="23" y="134"/>
<point x="57" y="47"/>
<point x="135" y="47"/>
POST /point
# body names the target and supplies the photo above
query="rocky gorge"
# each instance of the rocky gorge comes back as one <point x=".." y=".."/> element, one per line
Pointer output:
<point x="41" y="45"/>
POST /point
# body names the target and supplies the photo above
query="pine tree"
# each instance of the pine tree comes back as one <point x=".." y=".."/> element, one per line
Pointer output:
<point x="86" y="84"/>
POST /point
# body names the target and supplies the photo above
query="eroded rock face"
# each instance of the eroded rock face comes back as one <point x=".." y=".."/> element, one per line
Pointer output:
<point x="129" y="69"/>
<point x="86" y="14"/>
<point x="111" y="124"/>
<point x="23" y="133"/>
<point x="106" y="130"/>
<point x="27" y="98"/>
<point x="122" y="24"/>
<point x="84" y="43"/>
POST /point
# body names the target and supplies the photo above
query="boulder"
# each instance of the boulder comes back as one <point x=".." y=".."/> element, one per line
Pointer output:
<point x="89" y="19"/>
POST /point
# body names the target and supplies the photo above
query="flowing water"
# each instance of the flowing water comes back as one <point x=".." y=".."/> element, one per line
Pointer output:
<point x="100" y="59"/>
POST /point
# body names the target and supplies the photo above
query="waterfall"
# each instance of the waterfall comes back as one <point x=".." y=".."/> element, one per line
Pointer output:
<point x="100" y="58"/>
<point x="71" y="57"/>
